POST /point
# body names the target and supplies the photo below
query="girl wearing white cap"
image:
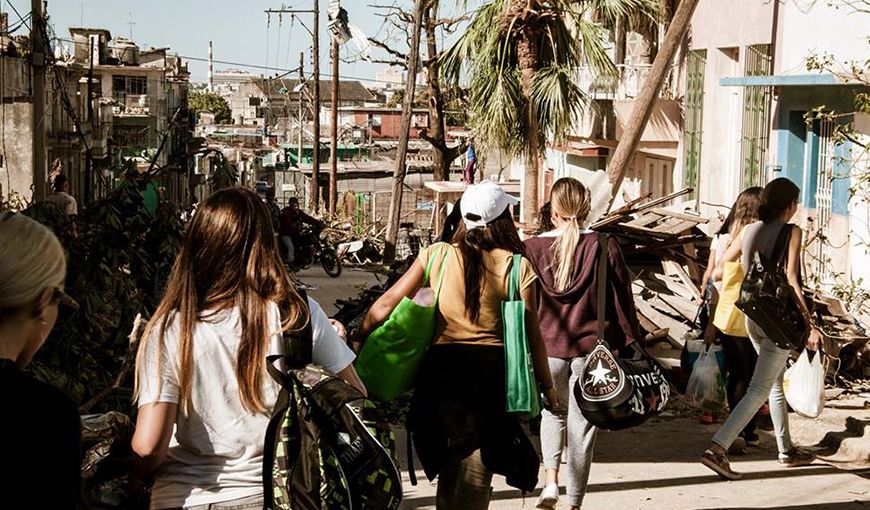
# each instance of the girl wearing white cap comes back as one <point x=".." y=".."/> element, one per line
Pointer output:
<point x="458" y="421"/>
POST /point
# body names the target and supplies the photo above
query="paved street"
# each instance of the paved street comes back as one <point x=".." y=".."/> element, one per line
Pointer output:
<point x="655" y="466"/>
<point x="326" y="290"/>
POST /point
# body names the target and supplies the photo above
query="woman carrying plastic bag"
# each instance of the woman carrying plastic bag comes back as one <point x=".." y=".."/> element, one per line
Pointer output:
<point x="706" y="388"/>
<point x="804" y="385"/>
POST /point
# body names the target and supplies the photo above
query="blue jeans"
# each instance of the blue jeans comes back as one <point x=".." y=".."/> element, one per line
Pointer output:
<point x="766" y="383"/>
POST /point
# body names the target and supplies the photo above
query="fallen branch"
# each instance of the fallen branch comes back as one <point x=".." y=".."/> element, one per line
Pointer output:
<point x="127" y="364"/>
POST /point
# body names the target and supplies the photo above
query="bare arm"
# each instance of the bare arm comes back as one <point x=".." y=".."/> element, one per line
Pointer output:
<point x="151" y="439"/>
<point x="735" y="249"/>
<point x="407" y="285"/>
<point x="793" y="274"/>
<point x="708" y="274"/>
<point x="350" y="376"/>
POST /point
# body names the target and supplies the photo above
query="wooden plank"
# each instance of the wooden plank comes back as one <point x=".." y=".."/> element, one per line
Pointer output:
<point x="646" y="231"/>
<point x="645" y="219"/>
<point x="686" y="308"/>
<point x="663" y="200"/>
<point x="680" y="226"/>
<point x="676" y="329"/>
<point x="676" y="269"/>
<point x="683" y="216"/>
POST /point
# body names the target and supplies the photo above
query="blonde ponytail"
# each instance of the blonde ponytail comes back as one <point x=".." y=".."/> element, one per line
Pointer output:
<point x="570" y="201"/>
<point x="31" y="260"/>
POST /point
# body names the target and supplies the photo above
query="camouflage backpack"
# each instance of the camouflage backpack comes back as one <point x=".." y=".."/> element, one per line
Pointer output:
<point x="318" y="453"/>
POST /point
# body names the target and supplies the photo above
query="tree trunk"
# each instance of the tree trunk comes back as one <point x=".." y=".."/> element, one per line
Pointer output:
<point x="401" y="164"/>
<point x="437" y="125"/>
<point x="527" y="53"/>
<point x="645" y="101"/>
<point x="314" y="190"/>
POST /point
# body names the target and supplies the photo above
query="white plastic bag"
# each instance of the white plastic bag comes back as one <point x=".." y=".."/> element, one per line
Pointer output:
<point x="706" y="388"/>
<point x="804" y="385"/>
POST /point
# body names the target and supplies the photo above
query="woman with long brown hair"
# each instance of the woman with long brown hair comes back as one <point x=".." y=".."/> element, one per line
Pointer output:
<point x="730" y="328"/>
<point x="564" y="260"/>
<point x="458" y="420"/>
<point x="203" y="393"/>
<point x="779" y="203"/>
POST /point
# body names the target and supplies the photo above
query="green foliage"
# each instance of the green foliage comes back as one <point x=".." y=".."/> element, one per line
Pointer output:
<point x="117" y="264"/>
<point x="565" y="36"/>
<point x="225" y="175"/>
<point x="208" y="102"/>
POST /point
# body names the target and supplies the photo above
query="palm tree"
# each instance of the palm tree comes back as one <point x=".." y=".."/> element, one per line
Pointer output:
<point x="520" y="58"/>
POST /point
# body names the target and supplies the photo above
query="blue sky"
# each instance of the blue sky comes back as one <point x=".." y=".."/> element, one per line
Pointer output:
<point x="237" y="27"/>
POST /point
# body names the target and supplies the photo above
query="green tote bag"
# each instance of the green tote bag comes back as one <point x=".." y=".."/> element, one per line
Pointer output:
<point x="522" y="395"/>
<point x="391" y="355"/>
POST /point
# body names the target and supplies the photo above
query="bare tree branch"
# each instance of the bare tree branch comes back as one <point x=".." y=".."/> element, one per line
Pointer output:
<point x="384" y="46"/>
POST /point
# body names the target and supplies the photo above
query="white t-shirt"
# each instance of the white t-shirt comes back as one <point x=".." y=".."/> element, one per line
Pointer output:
<point x="64" y="202"/>
<point x="216" y="451"/>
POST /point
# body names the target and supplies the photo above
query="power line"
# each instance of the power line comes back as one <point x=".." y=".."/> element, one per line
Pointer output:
<point x="239" y="64"/>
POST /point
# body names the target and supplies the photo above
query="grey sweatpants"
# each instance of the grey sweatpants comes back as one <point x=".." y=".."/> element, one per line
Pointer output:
<point x="580" y="434"/>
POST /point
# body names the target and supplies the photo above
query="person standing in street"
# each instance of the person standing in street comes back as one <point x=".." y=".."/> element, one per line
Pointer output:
<point x="63" y="201"/>
<point x="40" y="433"/>
<point x="779" y="202"/>
<point x="460" y="428"/>
<point x="204" y="396"/>
<point x="564" y="260"/>
<point x="470" y="162"/>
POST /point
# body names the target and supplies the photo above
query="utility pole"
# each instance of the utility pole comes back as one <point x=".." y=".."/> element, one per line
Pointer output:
<point x="645" y="101"/>
<point x="301" y="110"/>
<point x="89" y="159"/>
<point x="314" y="190"/>
<point x="37" y="59"/>
<point x="333" y="131"/>
<point x="401" y="165"/>
<point x="315" y="160"/>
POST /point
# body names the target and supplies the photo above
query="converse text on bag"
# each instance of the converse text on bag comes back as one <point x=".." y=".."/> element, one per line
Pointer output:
<point x="606" y="377"/>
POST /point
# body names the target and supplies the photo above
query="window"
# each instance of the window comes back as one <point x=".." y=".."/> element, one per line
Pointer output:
<point x="696" y="63"/>
<point x="823" y="162"/>
<point x="756" y="115"/>
<point x="123" y="86"/>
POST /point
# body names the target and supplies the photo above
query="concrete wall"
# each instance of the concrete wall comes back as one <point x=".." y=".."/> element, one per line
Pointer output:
<point x="724" y="30"/>
<point x="817" y="27"/>
<point x="722" y="24"/>
<point x="16" y="136"/>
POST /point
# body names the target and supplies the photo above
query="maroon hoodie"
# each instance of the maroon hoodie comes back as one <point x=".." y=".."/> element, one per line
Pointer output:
<point x="568" y="317"/>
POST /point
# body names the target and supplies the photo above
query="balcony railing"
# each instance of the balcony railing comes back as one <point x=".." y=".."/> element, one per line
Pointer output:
<point x="627" y="85"/>
<point x="131" y="104"/>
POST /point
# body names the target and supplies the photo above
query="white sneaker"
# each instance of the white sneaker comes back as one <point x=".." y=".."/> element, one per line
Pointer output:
<point x="549" y="497"/>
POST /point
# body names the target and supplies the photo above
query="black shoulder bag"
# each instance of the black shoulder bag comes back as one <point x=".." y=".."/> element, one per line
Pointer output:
<point x="616" y="393"/>
<point x="767" y="298"/>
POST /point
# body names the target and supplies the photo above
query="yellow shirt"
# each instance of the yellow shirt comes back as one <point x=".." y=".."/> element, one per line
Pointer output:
<point x="453" y="324"/>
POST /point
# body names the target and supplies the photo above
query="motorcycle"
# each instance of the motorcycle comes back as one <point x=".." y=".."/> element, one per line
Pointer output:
<point x="312" y="246"/>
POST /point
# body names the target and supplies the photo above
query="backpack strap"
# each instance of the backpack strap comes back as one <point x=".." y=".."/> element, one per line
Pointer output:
<point x="299" y="346"/>
<point x="601" y="277"/>
<point x="780" y="249"/>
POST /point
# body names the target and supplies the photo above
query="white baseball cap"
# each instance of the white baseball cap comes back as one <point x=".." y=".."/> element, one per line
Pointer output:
<point x="485" y="202"/>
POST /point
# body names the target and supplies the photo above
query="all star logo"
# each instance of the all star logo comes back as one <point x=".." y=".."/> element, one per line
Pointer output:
<point x="602" y="377"/>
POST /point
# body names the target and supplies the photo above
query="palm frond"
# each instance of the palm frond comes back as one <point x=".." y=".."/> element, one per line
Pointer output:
<point x="558" y="100"/>
<point x="595" y="56"/>
<point x="634" y="12"/>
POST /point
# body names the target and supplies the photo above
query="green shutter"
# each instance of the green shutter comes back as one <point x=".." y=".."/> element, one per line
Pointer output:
<point x="697" y="60"/>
